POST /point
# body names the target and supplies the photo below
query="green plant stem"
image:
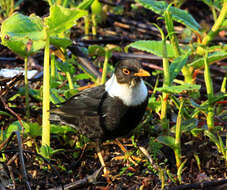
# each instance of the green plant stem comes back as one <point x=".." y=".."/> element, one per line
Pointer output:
<point x="46" y="95"/>
<point x="214" y="30"/>
<point x="105" y="66"/>
<point x="70" y="81"/>
<point x="26" y="86"/>
<point x="166" y="83"/>
<point x="11" y="8"/>
<point x="223" y="85"/>
<point x="213" y="13"/>
<point x="52" y="70"/>
<point x="210" y="93"/>
<point x="86" y="25"/>
<point x="171" y="33"/>
<point x="174" y="41"/>
<point x="186" y="70"/>
<point x="177" y="150"/>
<point x="226" y="150"/>
<point x="94" y="24"/>
<point x="162" y="178"/>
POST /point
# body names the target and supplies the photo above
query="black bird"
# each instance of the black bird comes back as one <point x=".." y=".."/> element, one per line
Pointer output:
<point x="111" y="110"/>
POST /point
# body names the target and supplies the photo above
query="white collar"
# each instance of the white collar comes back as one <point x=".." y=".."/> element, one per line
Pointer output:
<point x="131" y="96"/>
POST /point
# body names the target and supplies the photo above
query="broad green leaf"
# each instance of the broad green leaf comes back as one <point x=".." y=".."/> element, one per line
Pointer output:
<point x="35" y="130"/>
<point x="19" y="30"/>
<point x="32" y="129"/>
<point x="178" y="15"/>
<point x="81" y="76"/>
<point x="168" y="141"/>
<point x="177" y="65"/>
<point x="16" y="126"/>
<point x="47" y="152"/>
<point x="60" y="42"/>
<point x="96" y="7"/>
<point x="179" y="89"/>
<point x="96" y="50"/>
<point x="155" y="47"/>
<point x="62" y="19"/>
<point x="56" y="129"/>
<point x="217" y="56"/>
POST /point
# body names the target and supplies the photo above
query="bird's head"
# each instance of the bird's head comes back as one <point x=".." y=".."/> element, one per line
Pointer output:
<point x="126" y="83"/>
<point x="129" y="71"/>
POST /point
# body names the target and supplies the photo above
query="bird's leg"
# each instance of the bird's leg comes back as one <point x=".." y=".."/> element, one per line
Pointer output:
<point x="105" y="171"/>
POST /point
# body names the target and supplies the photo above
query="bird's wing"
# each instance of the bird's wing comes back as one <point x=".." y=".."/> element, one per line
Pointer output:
<point x="84" y="103"/>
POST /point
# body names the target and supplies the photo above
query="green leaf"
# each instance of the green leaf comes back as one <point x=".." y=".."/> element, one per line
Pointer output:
<point x="15" y="126"/>
<point x="177" y="65"/>
<point x="197" y="132"/>
<point x="35" y="130"/>
<point x="154" y="104"/>
<point x="213" y="138"/>
<point x="178" y="15"/>
<point x="65" y="67"/>
<point x="5" y="114"/>
<point x="60" y="130"/>
<point x="85" y="4"/>
<point x="179" y="89"/>
<point x="62" y="19"/>
<point x="96" y="50"/>
<point x="96" y="7"/>
<point x="19" y="30"/>
<point x="180" y="170"/>
<point x="60" y="42"/>
<point x="81" y="76"/>
<point x="32" y="129"/>
<point x="217" y="56"/>
<point x="32" y="92"/>
<point x="168" y="141"/>
<point x="224" y="24"/>
<point x="187" y="125"/>
<point x="47" y="152"/>
<point x="155" y="47"/>
<point x="213" y="3"/>
<point x="55" y="98"/>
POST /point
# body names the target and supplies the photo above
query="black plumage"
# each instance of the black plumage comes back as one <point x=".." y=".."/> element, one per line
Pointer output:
<point x="100" y="115"/>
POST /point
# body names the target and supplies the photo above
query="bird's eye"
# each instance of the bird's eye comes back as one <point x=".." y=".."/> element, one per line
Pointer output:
<point x="126" y="71"/>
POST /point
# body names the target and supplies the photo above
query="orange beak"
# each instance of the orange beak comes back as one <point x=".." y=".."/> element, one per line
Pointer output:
<point x="142" y="73"/>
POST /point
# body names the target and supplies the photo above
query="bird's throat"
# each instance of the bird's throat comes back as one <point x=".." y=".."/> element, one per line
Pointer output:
<point x="131" y="95"/>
